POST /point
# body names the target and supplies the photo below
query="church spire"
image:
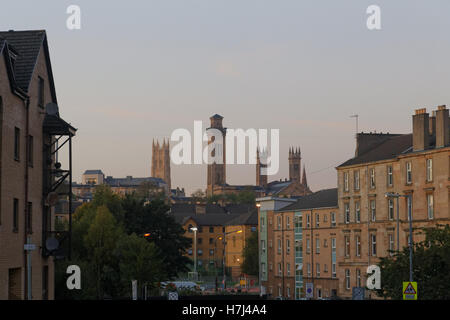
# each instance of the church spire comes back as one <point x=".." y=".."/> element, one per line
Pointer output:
<point x="304" y="182"/>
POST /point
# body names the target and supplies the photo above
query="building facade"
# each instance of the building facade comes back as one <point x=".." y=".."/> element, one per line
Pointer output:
<point x="415" y="165"/>
<point x="29" y="122"/>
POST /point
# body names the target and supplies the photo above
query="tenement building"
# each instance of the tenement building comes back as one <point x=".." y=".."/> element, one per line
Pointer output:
<point x="301" y="246"/>
<point x="29" y="124"/>
<point x="415" y="166"/>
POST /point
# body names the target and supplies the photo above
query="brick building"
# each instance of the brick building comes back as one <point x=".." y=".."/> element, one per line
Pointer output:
<point x="29" y="124"/>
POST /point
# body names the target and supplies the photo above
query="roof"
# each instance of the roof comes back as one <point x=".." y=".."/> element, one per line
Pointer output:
<point x="28" y="45"/>
<point x="93" y="172"/>
<point x="219" y="219"/>
<point x="326" y="198"/>
<point x="249" y="218"/>
<point x="275" y="187"/>
<point x="131" y="182"/>
<point x="216" y="116"/>
<point x="388" y="148"/>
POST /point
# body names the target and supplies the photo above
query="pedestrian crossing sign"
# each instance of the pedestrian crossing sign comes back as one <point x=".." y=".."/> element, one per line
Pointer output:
<point x="409" y="290"/>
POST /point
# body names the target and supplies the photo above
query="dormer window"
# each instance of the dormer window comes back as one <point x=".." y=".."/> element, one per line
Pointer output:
<point x="13" y="58"/>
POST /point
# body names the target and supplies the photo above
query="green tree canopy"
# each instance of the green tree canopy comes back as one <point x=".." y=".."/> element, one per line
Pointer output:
<point x="250" y="264"/>
<point x="431" y="267"/>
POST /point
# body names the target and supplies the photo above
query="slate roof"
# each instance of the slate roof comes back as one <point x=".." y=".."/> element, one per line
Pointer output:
<point x="219" y="219"/>
<point x="387" y="149"/>
<point x="93" y="172"/>
<point x="131" y="182"/>
<point x="249" y="218"/>
<point x="326" y="198"/>
<point x="27" y="44"/>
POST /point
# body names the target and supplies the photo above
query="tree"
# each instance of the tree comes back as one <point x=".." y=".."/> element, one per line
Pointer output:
<point x="250" y="264"/>
<point x="140" y="260"/>
<point x="431" y="265"/>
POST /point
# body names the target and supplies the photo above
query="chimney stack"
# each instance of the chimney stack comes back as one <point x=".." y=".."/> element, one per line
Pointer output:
<point x="432" y="125"/>
<point x="421" y="132"/>
<point x="442" y="129"/>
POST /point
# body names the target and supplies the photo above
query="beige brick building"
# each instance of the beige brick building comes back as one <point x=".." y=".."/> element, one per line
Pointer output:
<point x="27" y="128"/>
<point x="414" y="164"/>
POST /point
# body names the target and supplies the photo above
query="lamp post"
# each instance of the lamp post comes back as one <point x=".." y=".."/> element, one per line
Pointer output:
<point x="195" y="251"/>
<point x="409" y="204"/>
<point x="224" y="253"/>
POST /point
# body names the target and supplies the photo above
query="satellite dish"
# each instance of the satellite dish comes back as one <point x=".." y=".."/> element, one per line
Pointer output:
<point x="52" y="198"/>
<point x="52" y="109"/>
<point x="51" y="244"/>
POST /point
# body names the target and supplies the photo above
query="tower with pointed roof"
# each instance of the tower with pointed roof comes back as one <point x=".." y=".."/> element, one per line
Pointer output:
<point x="295" y="160"/>
<point x="161" y="161"/>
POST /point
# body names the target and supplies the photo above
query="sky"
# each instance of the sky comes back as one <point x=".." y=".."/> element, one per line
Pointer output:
<point x="137" y="70"/>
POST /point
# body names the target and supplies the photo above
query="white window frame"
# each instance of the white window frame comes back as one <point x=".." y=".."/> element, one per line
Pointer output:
<point x="356" y="178"/>
<point x="390" y="176"/>
<point x="391" y="209"/>
<point x="372" y="178"/>
<point x="373" y="245"/>
<point x="408" y="172"/>
<point x="373" y="210"/>
<point x="347" y="279"/>
<point x="429" y="164"/>
<point x="430" y="206"/>
<point x="346" y="182"/>
<point x="357" y="212"/>
<point x="358" y="246"/>
<point x="347" y="212"/>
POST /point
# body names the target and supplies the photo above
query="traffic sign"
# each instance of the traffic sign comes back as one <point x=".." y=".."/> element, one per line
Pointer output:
<point x="173" y="295"/>
<point x="309" y="290"/>
<point x="409" y="290"/>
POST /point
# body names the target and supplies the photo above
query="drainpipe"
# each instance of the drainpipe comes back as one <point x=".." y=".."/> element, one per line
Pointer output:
<point x="27" y="282"/>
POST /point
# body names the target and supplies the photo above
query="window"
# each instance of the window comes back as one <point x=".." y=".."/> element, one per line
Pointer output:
<point x="270" y="266"/>
<point x="347" y="212"/>
<point x="325" y="268"/>
<point x="318" y="270"/>
<point x="16" y="215"/>
<point x="280" y="272"/>
<point x="390" y="176"/>
<point x="317" y="220"/>
<point x="429" y="170"/>
<point x="408" y="173"/>
<point x="211" y="229"/>
<point x="199" y="240"/>
<point x="358" y="245"/>
<point x="40" y="92"/>
<point x="211" y="240"/>
<point x="373" y="210"/>
<point x="373" y="244"/>
<point x="263" y="245"/>
<point x="408" y="206"/>
<point x="347" y="279"/>
<point x="391" y="244"/>
<point x="307" y="221"/>
<point x="319" y="293"/>
<point x="372" y="178"/>
<point x="356" y="178"/>
<point x="345" y="181"/>
<point x="30" y="151"/>
<point x="263" y="269"/>
<point x="288" y="269"/>
<point x="279" y="222"/>
<point x="270" y="243"/>
<point x="16" y="144"/>
<point x="391" y="209"/>
<point x="288" y="246"/>
<point x="357" y="212"/>
<point x="347" y="246"/>
<point x="308" y="246"/>
<point x="358" y="277"/>
<point x="333" y="270"/>
<point x="261" y="224"/>
<point x="29" y="221"/>
<point x="325" y="243"/>
<point x="430" y="206"/>
<point x="317" y="246"/>
<point x="211" y="252"/>
<point x="288" y="222"/>
<point x="279" y="246"/>
<point x="333" y="219"/>
<point x="308" y="269"/>
<point x="288" y="292"/>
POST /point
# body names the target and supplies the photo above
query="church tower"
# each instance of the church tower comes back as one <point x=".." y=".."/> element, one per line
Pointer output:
<point x="161" y="161"/>
<point x="216" y="171"/>
<point x="261" y="179"/>
<point x="294" y="164"/>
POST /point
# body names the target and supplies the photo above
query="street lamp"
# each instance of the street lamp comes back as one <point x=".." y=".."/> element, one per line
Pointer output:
<point x="409" y="204"/>
<point x="224" y="252"/>
<point x="195" y="251"/>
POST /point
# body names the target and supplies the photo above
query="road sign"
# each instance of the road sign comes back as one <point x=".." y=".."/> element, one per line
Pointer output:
<point x="358" y="293"/>
<point x="29" y="247"/>
<point x="173" y="295"/>
<point x="409" y="290"/>
<point x="309" y="290"/>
